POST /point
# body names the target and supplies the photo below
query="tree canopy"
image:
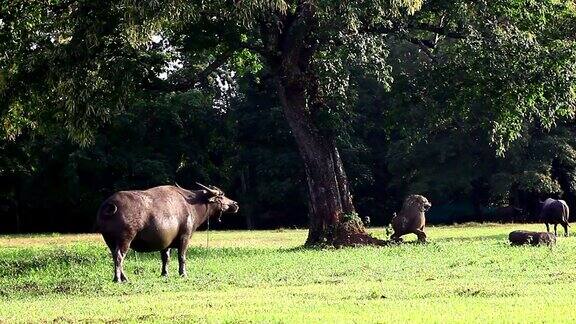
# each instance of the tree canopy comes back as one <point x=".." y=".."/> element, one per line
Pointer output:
<point x="416" y="96"/>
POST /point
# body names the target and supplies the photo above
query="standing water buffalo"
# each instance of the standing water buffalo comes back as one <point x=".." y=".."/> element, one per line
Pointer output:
<point x="157" y="219"/>
<point x="555" y="211"/>
<point x="411" y="218"/>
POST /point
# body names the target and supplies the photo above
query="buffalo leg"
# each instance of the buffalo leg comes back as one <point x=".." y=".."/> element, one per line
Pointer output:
<point x="182" y="248"/>
<point x="547" y="227"/>
<point x="112" y="246"/>
<point x="421" y="235"/>
<point x="119" y="255"/>
<point x="555" y="229"/>
<point x="396" y="238"/>
<point x="165" y="255"/>
<point x="110" y="243"/>
<point x="565" y="229"/>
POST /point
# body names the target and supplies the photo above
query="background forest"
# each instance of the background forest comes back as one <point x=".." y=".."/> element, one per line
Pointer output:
<point x="465" y="120"/>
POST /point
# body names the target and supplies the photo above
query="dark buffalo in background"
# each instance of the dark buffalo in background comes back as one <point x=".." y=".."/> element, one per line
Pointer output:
<point x="555" y="211"/>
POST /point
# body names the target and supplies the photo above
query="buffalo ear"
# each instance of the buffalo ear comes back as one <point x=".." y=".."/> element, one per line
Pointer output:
<point x="189" y="198"/>
<point x="212" y="199"/>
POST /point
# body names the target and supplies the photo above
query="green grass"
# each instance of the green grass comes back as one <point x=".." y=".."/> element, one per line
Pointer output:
<point x="465" y="274"/>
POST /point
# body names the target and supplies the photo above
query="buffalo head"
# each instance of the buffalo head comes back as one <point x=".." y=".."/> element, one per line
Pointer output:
<point x="417" y="201"/>
<point x="216" y="196"/>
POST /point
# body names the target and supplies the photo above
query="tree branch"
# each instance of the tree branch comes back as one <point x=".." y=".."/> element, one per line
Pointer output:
<point x="189" y="83"/>
<point x="183" y="83"/>
<point x="425" y="45"/>
<point x="399" y="27"/>
<point x="437" y="30"/>
<point x="403" y="29"/>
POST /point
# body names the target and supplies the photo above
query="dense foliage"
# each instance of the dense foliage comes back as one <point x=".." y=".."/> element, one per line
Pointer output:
<point x="470" y="103"/>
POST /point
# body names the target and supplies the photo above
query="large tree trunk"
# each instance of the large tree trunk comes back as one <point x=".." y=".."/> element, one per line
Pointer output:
<point x="289" y="47"/>
<point x="345" y="195"/>
<point x="329" y="194"/>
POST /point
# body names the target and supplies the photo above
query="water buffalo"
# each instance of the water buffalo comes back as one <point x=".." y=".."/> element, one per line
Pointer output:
<point x="157" y="219"/>
<point x="533" y="238"/>
<point x="555" y="211"/>
<point x="411" y="218"/>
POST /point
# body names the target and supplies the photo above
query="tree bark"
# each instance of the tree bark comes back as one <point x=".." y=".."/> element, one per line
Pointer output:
<point x="289" y="51"/>
<point x="345" y="195"/>
<point x="329" y="193"/>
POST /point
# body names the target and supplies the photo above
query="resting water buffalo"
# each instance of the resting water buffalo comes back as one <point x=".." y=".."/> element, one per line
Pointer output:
<point x="533" y="238"/>
<point x="411" y="218"/>
<point x="157" y="219"/>
<point x="555" y="211"/>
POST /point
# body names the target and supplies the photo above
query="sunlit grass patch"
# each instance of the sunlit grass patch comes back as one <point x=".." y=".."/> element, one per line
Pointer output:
<point x="466" y="273"/>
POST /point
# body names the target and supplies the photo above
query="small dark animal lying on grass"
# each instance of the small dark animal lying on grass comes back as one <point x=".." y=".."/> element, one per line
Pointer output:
<point x="555" y="211"/>
<point x="411" y="218"/>
<point x="157" y="219"/>
<point x="533" y="238"/>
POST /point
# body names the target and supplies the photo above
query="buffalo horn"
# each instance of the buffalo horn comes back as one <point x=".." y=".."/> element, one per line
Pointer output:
<point x="214" y="192"/>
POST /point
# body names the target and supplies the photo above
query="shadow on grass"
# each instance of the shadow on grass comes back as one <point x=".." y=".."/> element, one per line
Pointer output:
<point x="499" y="237"/>
<point x="198" y="252"/>
<point x="21" y="263"/>
<point x="66" y="286"/>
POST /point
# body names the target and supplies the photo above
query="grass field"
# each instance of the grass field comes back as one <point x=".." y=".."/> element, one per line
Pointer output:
<point x="465" y="274"/>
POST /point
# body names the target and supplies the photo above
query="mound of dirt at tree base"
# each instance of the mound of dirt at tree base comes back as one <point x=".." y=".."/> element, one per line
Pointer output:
<point x="358" y="239"/>
<point x="352" y="233"/>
